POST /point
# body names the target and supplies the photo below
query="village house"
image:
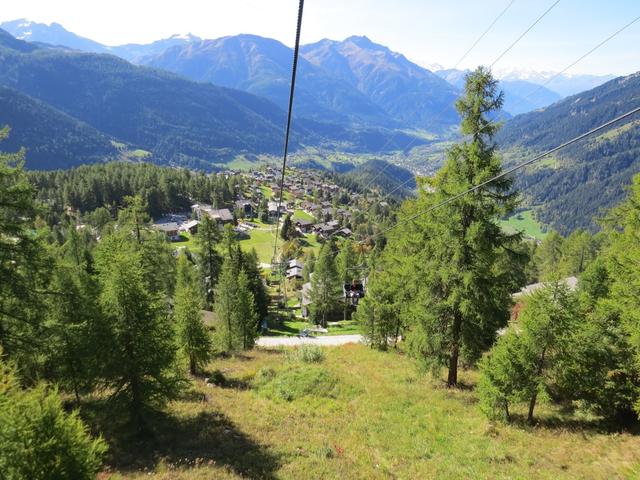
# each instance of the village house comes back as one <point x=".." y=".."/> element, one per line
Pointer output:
<point x="304" y="226"/>
<point x="245" y="206"/>
<point x="221" y="215"/>
<point x="191" y="226"/>
<point x="169" y="228"/>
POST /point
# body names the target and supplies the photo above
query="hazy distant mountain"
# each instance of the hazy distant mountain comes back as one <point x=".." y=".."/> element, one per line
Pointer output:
<point x="564" y="84"/>
<point x="409" y="93"/>
<point x="521" y="96"/>
<point x="582" y="180"/>
<point x="262" y="66"/>
<point x="140" y="53"/>
<point x="54" y="34"/>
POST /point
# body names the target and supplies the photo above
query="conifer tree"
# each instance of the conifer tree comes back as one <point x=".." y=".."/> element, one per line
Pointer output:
<point x="210" y="261"/>
<point x="285" y="229"/>
<point x="226" y="293"/>
<point x="75" y="329"/>
<point x="24" y="265"/>
<point x="141" y="353"/>
<point x="520" y="367"/>
<point x="193" y="337"/>
<point x="251" y="266"/>
<point x="326" y="289"/>
<point x="623" y="258"/>
<point x="235" y="309"/>
<point x="464" y="290"/>
<point x="247" y="318"/>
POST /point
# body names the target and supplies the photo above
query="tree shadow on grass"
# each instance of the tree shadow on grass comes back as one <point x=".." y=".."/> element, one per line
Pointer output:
<point x="562" y="422"/>
<point x="199" y="439"/>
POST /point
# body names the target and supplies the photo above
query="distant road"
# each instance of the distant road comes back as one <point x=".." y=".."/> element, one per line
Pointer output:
<point x="325" y="340"/>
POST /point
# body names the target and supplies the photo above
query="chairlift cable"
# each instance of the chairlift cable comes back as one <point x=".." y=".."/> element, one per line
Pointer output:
<point x="288" y="129"/>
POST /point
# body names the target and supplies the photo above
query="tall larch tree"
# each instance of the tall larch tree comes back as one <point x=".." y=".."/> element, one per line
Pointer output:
<point x="141" y="358"/>
<point x="210" y="261"/>
<point x="326" y="288"/>
<point x="464" y="289"/>
<point x="193" y="338"/>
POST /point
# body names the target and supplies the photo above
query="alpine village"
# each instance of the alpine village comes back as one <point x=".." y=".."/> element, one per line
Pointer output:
<point x="242" y="257"/>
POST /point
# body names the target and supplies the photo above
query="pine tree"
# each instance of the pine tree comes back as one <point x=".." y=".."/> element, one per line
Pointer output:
<point x="141" y="353"/>
<point x="346" y="268"/>
<point x="226" y="293"/>
<point x="549" y="257"/>
<point x="285" y="229"/>
<point x="235" y="309"/>
<point x="193" y="337"/>
<point x="464" y="288"/>
<point x="209" y="259"/>
<point x="623" y="258"/>
<point x="75" y="329"/>
<point x="519" y="367"/>
<point x="326" y="289"/>
<point x="378" y="312"/>
<point x="24" y="266"/>
<point x="246" y="315"/>
<point x="251" y="265"/>
<point x="309" y="265"/>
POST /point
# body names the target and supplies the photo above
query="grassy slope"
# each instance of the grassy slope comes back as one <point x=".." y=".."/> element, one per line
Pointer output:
<point x="262" y="241"/>
<point x="380" y="420"/>
<point x="526" y="224"/>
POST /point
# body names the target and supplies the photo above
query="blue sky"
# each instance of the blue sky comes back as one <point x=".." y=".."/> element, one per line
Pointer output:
<point x="426" y="31"/>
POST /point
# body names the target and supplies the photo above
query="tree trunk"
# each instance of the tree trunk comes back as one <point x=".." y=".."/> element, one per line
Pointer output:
<point x="452" y="378"/>
<point x="395" y="340"/>
<point x="136" y="406"/>
<point x="532" y="402"/>
<point x="192" y="366"/>
<point x="532" y="405"/>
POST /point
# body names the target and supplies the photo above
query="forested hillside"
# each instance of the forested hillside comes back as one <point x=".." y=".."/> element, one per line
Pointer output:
<point x="162" y="189"/>
<point x="52" y="138"/>
<point x="384" y="176"/>
<point x="578" y="184"/>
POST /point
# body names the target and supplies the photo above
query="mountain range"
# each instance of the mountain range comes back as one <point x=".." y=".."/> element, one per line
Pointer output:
<point x="177" y="120"/>
<point x="78" y="102"/>
<point x="351" y="82"/>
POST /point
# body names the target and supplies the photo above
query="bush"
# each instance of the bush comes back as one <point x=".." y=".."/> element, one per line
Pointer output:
<point x="306" y="354"/>
<point x="39" y="440"/>
<point x="295" y="383"/>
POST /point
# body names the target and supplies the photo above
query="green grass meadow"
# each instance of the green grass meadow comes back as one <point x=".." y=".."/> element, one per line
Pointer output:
<point x="357" y="414"/>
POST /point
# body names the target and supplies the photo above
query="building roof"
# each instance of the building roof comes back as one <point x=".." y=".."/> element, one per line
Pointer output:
<point x="295" y="263"/>
<point x="294" y="272"/>
<point x="190" y="224"/>
<point x="223" y="214"/>
<point x="570" y="282"/>
<point x="166" y="226"/>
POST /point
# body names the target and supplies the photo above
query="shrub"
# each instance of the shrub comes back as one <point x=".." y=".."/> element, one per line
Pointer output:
<point x="306" y="354"/>
<point x="38" y="439"/>
<point x="296" y="383"/>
